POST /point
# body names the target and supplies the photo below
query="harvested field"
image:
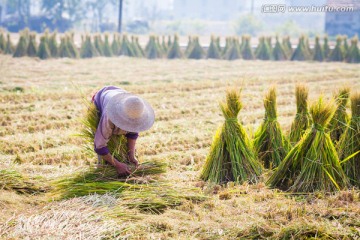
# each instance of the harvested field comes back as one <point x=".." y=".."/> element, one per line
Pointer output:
<point x="41" y="103"/>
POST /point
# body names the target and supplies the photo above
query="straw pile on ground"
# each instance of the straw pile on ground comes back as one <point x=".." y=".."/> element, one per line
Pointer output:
<point x="313" y="164"/>
<point x="318" y="51"/>
<point x="270" y="143"/>
<point x="174" y="50"/>
<point x="302" y="119"/>
<point x="14" y="181"/>
<point x="340" y="119"/>
<point x="353" y="54"/>
<point x="350" y="143"/>
<point x="279" y="53"/>
<point x="337" y="54"/>
<point x="231" y="156"/>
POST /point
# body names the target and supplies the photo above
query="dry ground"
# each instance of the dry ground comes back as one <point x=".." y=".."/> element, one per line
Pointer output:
<point x="40" y="106"/>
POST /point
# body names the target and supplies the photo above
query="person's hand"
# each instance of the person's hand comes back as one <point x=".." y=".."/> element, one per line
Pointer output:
<point x="123" y="169"/>
<point x="132" y="159"/>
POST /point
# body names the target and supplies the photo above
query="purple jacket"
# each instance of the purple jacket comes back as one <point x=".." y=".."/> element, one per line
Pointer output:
<point x="106" y="128"/>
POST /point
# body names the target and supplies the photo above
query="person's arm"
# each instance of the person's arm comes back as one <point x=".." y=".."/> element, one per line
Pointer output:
<point x="131" y="142"/>
<point x="102" y="136"/>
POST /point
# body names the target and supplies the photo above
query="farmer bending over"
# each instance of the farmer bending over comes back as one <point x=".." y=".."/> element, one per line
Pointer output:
<point x="124" y="113"/>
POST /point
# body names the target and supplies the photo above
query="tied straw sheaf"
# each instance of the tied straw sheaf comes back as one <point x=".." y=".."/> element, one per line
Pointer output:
<point x="349" y="144"/>
<point x="231" y="156"/>
<point x="313" y="163"/>
<point x="270" y="143"/>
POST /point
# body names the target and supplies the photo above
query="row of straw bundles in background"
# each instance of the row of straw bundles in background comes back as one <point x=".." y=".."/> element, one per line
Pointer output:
<point x="234" y="48"/>
<point x="321" y="153"/>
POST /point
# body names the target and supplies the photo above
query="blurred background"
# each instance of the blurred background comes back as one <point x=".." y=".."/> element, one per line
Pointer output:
<point x="185" y="17"/>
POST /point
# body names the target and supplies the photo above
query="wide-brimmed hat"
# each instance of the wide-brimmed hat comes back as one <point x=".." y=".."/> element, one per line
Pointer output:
<point x="130" y="112"/>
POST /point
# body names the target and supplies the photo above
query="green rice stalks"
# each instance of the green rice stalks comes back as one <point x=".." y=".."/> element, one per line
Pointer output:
<point x="231" y="156"/>
<point x="106" y="47"/>
<point x="71" y="46"/>
<point x="286" y="44"/>
<point x="263" y="51"/>
<point x="189" y="46"/>
<point x="318" y="52"/>
<point x="44" y="52"/>
<point x="302" y="119"/>
<point x="350" y="143"/>
<point x="196" y="52"/>
<point x="337" y="55"/>
<point x="11" y="180"/>
<point x="126" y="47"/>
<point x="9" y="48"/>
<point x="21" y="48"/>
<point x="301" y="52"/>
<point x="340" y="119"/>
<point x="213" y="51"/>
<point x="88" y="50"/>
<point x="270" y="143"/>
<point x="246" y="50"/>
<point x="64" y="51"/>
<point x="326" y="48"/>
<point x="98" y="43"/>
<point x="153" y="50"/>
<point x="233" y="51"/>
<point x="53" y="46"/>
<point x="174" y="50"/>
<point x="115" y="45"/>
<point x="2" y="42"/>
<point x="164" y="45"/>
<point x="313" y="164"/>
<point x="103" y="180"/>
<point x="278" y="51"/>
<point x="353" y="54"/>
<point x="138" y="52"/>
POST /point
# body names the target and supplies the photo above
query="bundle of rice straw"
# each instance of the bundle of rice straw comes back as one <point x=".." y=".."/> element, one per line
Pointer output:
<point x="21" y="47"/>
<point x="9" y="48"/>
<point x="104" y="180"/>
<point x="263" y="51"/>
<point x="270" y="143"/>
<point x="174" y="50"/>
<point x="246" y="50"/>
<point x="318" y="51"/>
<point x="117" y="144"/>
<point x="302" y="119"/>
<point x="313" y="164"/>
<point x="196" y="51"/>
<point x="231" y="156"/>
<point x="278" y="51"/>
<point x="32" y="48"/>
<point x="326" y="48"/>
<point x="301" y="52"/>
<point x="44" y="52"/>
<point x="350" y="143"/>
<point x="14" y="181"/>
<point x="88" y="50"/>
<point x="353" y="54"/>
<point x="213" y="51"/>
<point x="233" y="51"/>
<point x="340" y="119"/>
<point x="337" y="54"/>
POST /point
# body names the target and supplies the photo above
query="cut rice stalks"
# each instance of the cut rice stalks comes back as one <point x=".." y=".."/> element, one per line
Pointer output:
<point x="350" y="143"/>
<point x="302" y="119"/>
<point x="231" y="156"/>
<point x="340" y="119"/>
<point x="313" y="164"/>
<point x="270" y="143"/>
<point x="12" y="180"/>
<point x="117" y="144"/>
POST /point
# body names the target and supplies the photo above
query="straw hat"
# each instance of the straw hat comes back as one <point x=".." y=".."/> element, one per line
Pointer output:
<point x="130" y="113"/>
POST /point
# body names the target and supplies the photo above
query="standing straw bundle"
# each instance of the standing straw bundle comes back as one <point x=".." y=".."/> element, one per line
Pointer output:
<point x="9" y="48"/>
<point x="196" y="52"/>
<point x="302" y="119"/>
<point x="313" y="164"/>
<point x="174" y="50"/>
<point x="318" y="52"/>
<point x="231" y="156"/>
<point x="44" y="52"/>
<point x="246" y="50"/>
<point x="340" y="119"/>
<point x="270" y="143"/>
<point x="21" y="47"/>
<point x="213" y="51"/>
<point x="337" y="55"/>
<point x="350" y="143"/>
<point x="117" y="143"/>
<point x="278" y="51"/>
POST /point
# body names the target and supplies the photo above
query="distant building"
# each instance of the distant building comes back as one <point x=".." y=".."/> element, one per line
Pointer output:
<point x="216" y="10"/>
<point x="344" y="23"/>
